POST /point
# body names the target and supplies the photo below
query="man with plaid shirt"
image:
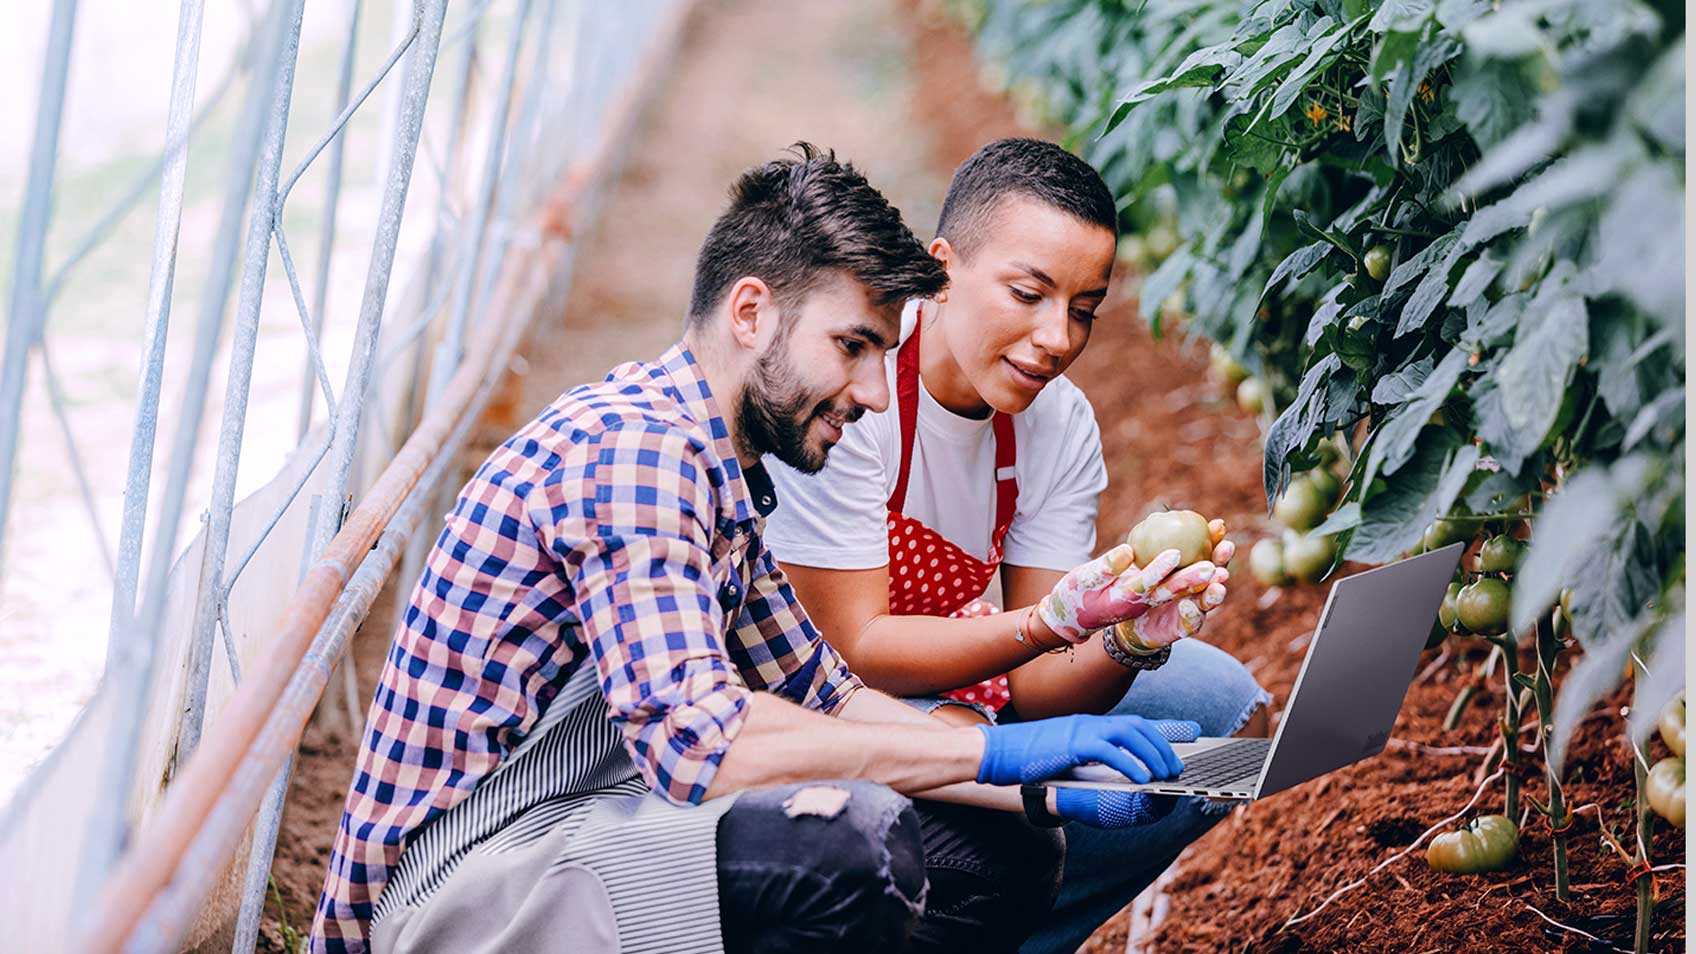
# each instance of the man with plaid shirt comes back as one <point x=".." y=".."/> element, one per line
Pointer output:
<point x="604" y="721"/>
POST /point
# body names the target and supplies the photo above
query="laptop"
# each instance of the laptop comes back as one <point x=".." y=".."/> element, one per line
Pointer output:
<point x="1352" y="682"/>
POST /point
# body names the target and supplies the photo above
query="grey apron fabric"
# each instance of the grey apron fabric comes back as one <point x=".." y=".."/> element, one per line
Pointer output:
<point x="562" y="847"/>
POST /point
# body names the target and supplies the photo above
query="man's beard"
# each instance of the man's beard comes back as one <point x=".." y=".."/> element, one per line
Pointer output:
<point x="777" y="412"/>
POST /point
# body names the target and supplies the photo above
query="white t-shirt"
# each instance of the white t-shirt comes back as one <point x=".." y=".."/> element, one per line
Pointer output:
<point x="837" y="519"/>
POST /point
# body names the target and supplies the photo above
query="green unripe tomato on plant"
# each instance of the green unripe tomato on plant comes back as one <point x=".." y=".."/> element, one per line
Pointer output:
<point x="1229" y="369"/>
<point x="1500" y="554"/>
<point x="1486" y="843"/>
<point x="1665" y="788"/>
<point x="1306" y="558"/>
<point x="1482" y="607"/>
<point x="1328" y="484"/>
<point x="1302" y="506"/>
<point x="1182" y="530"/>
<point x="1251" y="395"/>
<point x="1449" y="613"/>
<point x="1266" y="563"/>
<point x="1672" y="726"/>
<point x="1377" y="262"/>
<point x="1161" y="241"/>
<point x="1443" y="532"/>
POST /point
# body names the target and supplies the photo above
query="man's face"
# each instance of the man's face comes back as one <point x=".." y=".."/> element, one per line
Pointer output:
<point x="823" y="370"/>
<point x="1019" y="311"/>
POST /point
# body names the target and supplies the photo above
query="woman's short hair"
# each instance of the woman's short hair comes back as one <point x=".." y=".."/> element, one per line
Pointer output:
<point x="1027" y="167"/>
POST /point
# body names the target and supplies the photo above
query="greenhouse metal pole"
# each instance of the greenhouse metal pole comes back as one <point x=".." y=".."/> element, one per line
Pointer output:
<point x="28" y="313"/>
<point x="332" y="196"/>
<point x="160" y="281"/>
<point x="238" y="383"/>
<point x="131" y="660"/>
<point x="345" y="417"/>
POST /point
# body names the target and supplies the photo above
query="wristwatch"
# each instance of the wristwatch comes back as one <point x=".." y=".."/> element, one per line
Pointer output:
<point x="1129" y="658"/>
<point x="1036" y="807"/>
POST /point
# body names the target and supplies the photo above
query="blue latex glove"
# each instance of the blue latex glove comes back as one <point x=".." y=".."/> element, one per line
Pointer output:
<point x="1109" y="809"/>
<point x="1032" y="751"/>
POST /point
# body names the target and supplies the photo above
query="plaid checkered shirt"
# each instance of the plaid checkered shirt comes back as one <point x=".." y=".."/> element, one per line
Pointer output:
<point x="617" y="529"/>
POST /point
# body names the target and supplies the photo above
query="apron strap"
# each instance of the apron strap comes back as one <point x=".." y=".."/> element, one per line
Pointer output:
<point x="907" y="402"/>
<point x="1006" y="477"/>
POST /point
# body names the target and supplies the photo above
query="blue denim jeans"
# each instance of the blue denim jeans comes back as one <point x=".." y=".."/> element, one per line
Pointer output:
<point x="866" y="869"/>
<point x="1104" y="868"/>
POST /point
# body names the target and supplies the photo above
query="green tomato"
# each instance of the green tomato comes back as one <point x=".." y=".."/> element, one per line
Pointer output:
<point x="1377" y="262"/>
<point x="1251" y="395"/>
<point x="1328" y="484"/>
<point x="1161" y="241"/>
<point x="1449" y="613"/>
<point x="1483" y="844"/>
<point x="1500" y="554"/>
<point x="1665" y="788"/>
<point x="1302" y="506"/>
<point x="1306" y="558"/>
<point x="1672" y="725"/>
<point x="1266" y="563"/>
<point x="1229" y="369"/>
<point x="1443" y="532"/>
<point x="1182" y="530"/>
<point x="1482" y="607"/>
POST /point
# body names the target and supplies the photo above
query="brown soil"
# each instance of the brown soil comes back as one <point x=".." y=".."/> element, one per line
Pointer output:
<point x="894" y="86"/>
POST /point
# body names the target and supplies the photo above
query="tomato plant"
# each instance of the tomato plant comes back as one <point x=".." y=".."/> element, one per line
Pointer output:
<point x="1452" y="232"/>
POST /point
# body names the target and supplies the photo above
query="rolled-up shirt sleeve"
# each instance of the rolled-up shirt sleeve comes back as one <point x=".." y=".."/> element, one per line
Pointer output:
<point x="779" y="647"/>
<point x="630" y="518"/>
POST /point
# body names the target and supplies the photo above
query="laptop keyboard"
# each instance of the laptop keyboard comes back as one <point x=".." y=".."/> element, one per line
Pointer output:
<point x="1233" y="762"/>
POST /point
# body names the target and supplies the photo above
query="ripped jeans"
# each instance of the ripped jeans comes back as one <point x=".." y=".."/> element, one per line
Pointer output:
<point x="878" y="872"/>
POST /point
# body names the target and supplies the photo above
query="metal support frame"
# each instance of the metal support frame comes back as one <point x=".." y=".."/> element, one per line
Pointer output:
<point x="229" y="768"/>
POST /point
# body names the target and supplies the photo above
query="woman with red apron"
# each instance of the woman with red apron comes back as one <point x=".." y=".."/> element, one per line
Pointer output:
<point x="914" y="620"/>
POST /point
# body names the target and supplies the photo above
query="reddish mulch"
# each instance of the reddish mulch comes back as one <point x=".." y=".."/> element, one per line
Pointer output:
<point x="1182" y="446"/>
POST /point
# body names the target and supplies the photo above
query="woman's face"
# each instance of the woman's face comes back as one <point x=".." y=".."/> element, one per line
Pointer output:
<point x="1019" y="310"/>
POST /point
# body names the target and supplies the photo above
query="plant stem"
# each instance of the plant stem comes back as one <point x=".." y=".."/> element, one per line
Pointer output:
<point x="1645" y="830"/>
<point x="1458" y="707"/>
<point x="1512" y="715"/>
<point x="1548" y="649"/>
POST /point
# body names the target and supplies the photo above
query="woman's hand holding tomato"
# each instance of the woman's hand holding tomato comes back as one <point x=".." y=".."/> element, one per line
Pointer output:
<point x="1113" y="589"/>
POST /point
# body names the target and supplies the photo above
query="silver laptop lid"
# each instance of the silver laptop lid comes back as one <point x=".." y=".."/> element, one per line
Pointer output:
<point x="1358" y="668"/>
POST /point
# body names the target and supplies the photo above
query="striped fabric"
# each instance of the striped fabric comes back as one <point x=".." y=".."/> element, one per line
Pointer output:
<point x="616" y="529"/>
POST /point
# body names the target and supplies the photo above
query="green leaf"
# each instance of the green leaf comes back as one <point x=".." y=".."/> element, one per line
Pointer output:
<point x="1164" y="281"/>
<point x="1425" y="299"/>
<point x="1393" y="519"/>
<point x="1402" y="428"/>
<point x="1281" y="48"/>
<point x="1640" y="247"/>
<point x="1492" y="99"/>
<point x="1475" y="280"/>
<point x="1666" y="411"/>
<point x="1317" y="59"/>
<point x="1402" y="15"/>
<point x="1392" y="55"/>
<point x="1346" y="517"/>
<point x="1581" y="510"/>
<point x="1324" y="316"/>
<point x="1509" y="33"/>
<point x="1295" y="425"/>
<point x="1531" y="380"/>
<point x="1595" y="674"/>
<point x="1420" y="263"/>
<point x="1663" y="679"/>
<point x="1338" y="239"/>
<point x="1297" y="264"/>
<point x="1455" y="14"/>
<point x="1398" y="386"/>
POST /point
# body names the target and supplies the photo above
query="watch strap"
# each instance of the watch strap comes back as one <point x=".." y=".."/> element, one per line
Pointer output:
<point x="1036" y="807"/>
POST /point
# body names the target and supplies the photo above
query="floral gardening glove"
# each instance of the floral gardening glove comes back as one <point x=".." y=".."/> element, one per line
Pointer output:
<point x="1196" y="596"/>
<point x="1111" y="588"/>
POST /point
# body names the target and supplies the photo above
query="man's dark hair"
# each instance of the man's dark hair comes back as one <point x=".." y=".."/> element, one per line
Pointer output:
<point x="792" y="220"/>
<point x="1028" y="167"/>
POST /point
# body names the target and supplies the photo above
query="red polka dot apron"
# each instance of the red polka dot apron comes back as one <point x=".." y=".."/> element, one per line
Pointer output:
<point x="928" y="574"/>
